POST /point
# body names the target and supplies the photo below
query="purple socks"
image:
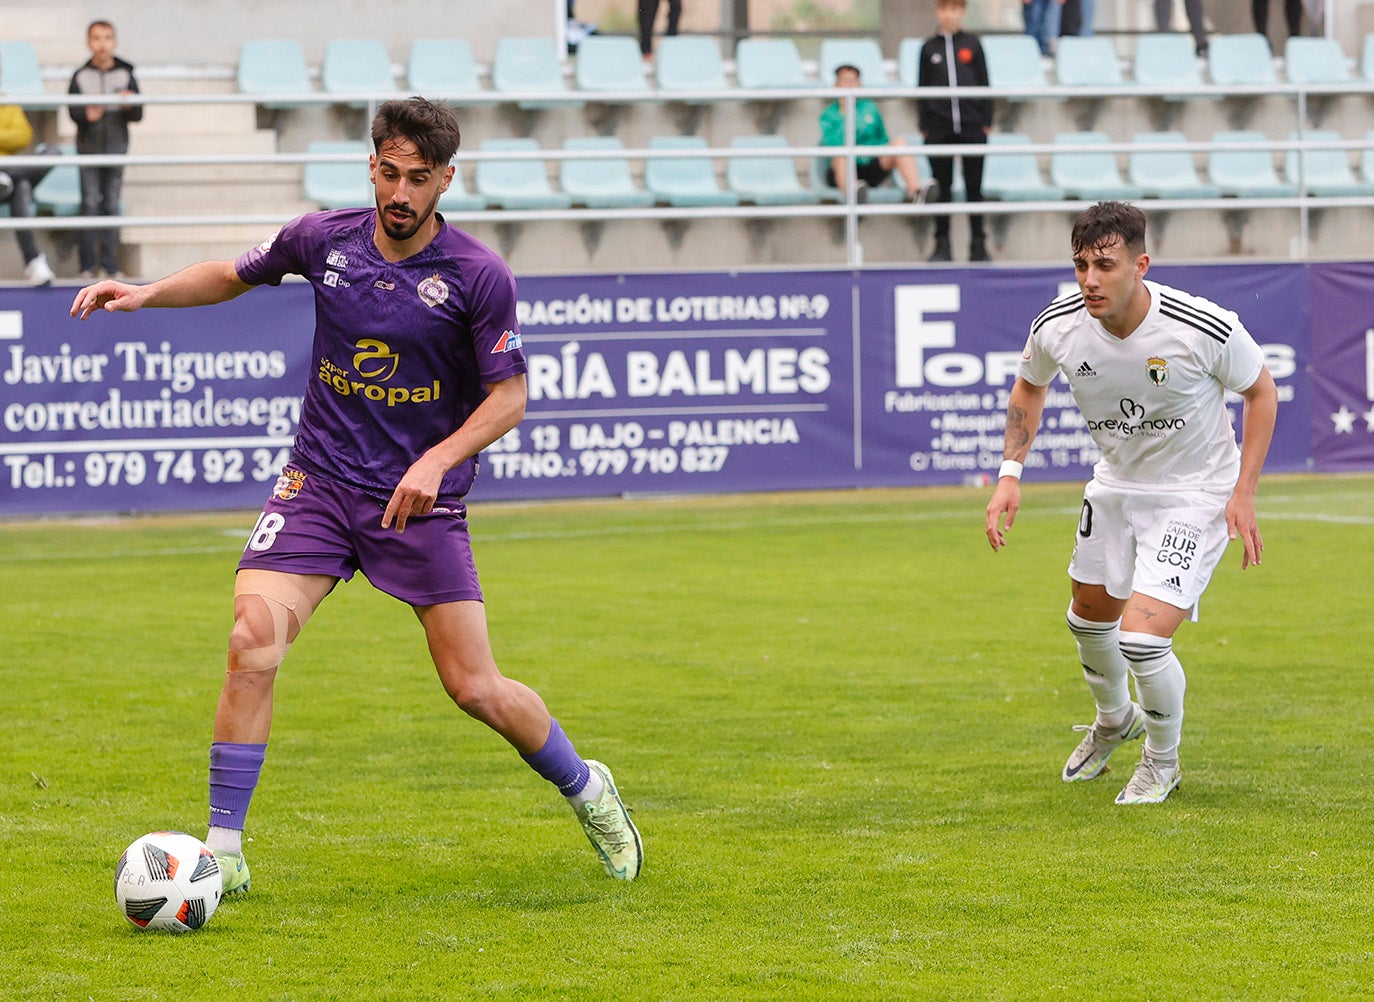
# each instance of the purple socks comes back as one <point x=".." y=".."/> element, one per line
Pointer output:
<point x="234" y="770"/>
<point x="557" y="762"/>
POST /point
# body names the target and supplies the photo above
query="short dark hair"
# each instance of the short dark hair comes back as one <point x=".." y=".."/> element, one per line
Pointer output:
<point x="99" y="22"/>
<point x="430" y="126"/>
<point x="1108" y="221"/>
<point x="849" y="66"/>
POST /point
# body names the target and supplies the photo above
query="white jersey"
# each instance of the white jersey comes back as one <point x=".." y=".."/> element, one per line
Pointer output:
<point x="1155" y="400"/>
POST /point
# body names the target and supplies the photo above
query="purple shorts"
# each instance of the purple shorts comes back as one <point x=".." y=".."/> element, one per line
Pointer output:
<point x="311" y="525"/>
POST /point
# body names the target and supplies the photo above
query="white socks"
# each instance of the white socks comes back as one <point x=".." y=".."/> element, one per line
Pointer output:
<point x="1104" y="667"/>
<point x="225" y="839"/>
<point x="1160" y="684"/>
<point x="588" y="793"/>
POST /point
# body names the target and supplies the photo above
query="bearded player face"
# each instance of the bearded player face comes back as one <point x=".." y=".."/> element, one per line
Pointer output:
<point x="408" y="188"/>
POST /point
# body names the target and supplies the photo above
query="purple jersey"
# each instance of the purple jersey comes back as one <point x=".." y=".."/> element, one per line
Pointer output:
<point x="402" y="349"/>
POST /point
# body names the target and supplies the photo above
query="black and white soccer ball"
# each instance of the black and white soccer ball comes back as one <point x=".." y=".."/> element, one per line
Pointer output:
<point x="169" y="881"/>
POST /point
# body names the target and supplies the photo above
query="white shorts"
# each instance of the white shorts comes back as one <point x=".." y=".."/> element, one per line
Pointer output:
<point x="1162" y="545"/>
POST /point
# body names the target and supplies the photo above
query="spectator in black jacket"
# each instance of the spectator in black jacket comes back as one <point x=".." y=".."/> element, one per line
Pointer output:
<point x="954" y="58"/>
<point x="102" y="128"/>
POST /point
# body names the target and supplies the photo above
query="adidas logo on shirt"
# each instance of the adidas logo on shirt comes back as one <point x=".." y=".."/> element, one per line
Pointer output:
<point x="1085" y="371"/>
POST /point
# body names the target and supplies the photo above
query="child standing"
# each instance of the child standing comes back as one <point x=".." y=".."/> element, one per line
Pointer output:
<point x="102" y="128"/>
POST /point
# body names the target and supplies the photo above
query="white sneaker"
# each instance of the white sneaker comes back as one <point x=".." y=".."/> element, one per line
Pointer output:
<point x="1089" y="759"/>
<point x="38" y="272"/>
<point x="1152" y="783"/>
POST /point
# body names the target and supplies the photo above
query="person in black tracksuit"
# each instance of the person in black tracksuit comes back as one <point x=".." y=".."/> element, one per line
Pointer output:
<point x="954" y="58"/>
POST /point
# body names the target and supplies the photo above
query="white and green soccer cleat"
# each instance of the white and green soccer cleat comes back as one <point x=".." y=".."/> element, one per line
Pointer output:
<point x="1152" y="783"/>
<point x="609" y="829"/>
<point x="1089" y="759"/>
<point x="234" y="868"/>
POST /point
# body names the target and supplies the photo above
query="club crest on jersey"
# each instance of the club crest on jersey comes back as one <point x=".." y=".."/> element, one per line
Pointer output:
<point x="1158" y="370"/>
<point x="432" y="290"/>
<point x="510" y="341"/>
<point x="288" y="484"/>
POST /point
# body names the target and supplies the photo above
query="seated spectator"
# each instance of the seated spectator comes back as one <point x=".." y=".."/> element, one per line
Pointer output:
<point x="869" y="130"/>
<point x="16" y="187"/>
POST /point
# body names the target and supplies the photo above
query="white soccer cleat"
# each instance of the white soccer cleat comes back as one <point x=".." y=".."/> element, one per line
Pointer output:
<point x="609" y="829"/>
<point x="1089" y="759"/>
<point x="38" y="271"/>
<point x="1152" y="783"/>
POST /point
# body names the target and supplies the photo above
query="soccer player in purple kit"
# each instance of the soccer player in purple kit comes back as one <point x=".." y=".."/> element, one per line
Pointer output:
<point x="418" y="368"/>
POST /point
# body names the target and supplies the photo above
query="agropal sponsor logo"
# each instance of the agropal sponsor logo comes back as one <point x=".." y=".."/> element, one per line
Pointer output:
<point x="373" y="365"/>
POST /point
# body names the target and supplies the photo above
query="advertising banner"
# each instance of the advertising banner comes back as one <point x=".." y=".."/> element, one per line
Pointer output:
<point x="677" y="383"/>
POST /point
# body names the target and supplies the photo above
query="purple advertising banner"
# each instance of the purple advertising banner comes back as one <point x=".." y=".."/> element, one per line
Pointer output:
<point x="940" y="351"/>
<point x="1343" y="373"/>
<point x="670" y="383"/>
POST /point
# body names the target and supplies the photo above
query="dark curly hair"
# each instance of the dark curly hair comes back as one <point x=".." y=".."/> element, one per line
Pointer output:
<point x="1106" y="221"/>
<point x="431" y="127"/>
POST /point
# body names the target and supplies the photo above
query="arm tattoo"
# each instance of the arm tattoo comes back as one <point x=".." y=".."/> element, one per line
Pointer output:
<point x="1018" y="435"/>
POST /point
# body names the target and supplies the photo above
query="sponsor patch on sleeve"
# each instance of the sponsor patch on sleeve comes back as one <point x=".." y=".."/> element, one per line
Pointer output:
<point x="509" y="341"/>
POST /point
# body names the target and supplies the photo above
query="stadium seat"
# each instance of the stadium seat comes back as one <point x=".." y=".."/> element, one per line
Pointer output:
<point x="908" y="61"/>
<point x="59" y="193"/>
<point x="609" y="63"/>
<point x="689" y="62"/>
<point x="861" y="52"/>
<point x="1014" y="61"/>
<point x="602" y="184"/>
<point x="1315" y="61"/>
<point x="767" y="180"/>
<point x="768" y="63"/>
<point x="458" y="198"/>
<point x="530" y="65"/>
<point x="1324" y="172"/>
<point x="887" y="193"/>
<point x="343" y="185"/>
<point x="1247" y="173"/>
<point x="1088" y="175"/>
<point x="440" y="67"/>
<point x="20" y="73"/>
<point x="1367" y="59"/>
<point x="1167" y="173"/>
<point x="1241" y="59"/>
<point x="684" y="181"/>
<point x="273" y="66"/>
<point x="1167" y="60"/>
<point x="1015" y="177"/>
<point x="357" y="66"/>
<point x="516" y="184"/>
<point x="1087" y="61"/>
<point x="1367" y="159"/>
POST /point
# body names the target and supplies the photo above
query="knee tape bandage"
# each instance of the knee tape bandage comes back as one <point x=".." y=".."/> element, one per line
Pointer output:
<point x="286" y="603"/>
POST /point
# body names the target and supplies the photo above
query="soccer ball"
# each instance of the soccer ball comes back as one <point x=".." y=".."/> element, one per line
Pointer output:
<point x="169" y="881"/>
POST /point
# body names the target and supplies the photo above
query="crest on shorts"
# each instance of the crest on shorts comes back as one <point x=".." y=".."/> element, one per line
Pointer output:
<point x="288" y="484"/>
<point x="432" y="290"/>
<point x="1158" y="370"/>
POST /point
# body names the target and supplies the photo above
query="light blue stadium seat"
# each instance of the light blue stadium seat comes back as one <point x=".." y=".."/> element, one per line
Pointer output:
<point x="1088" y="175"/>
<point x="763" y="63"/>
<point x="1367" y="59"/>
<point x="1015" y="177"/>
<point x="927" y="173"/>
<point x="59" y="193"/>
<point x="689" y="62"/>
<point x="273" y="66"/>
<point x="458" y="198"/>
<point x="767" y="180"/>
<point x="516" y="184"/>
<point x="1240" y="59"/>
<point x="861" y="52"/>
<point x="1014" y="61"/>
<point x="20" y="73"/>
<point x="1247" y="173"/>
<point x="1315" y="61"/>
<point x="343" y="185"/>
<point x="1367" y="159"/>
<point x="1167" y="60"/>
<point x="1089" y="61"/>
<point x="527" y="65"/>
<point x="684" y="181"/>
<point x="439" y="67"/>
<point x="357" y="66"/>
<point x="888" y="193"/>
<point x="1324" y="172"/>
<point x="609" y="63"/>
<point x="908" y="61"/>
<point x="602" y="184"/>
<point x="1167" y="173"/>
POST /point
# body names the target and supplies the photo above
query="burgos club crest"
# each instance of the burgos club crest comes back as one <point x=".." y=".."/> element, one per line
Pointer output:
<point x="1158" y="370"/>
<point x="288" y="484"/>
<point x="432" y="290"/>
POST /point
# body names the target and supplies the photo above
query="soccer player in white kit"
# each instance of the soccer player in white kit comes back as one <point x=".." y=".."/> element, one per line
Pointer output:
<point x="1148" y="367"/>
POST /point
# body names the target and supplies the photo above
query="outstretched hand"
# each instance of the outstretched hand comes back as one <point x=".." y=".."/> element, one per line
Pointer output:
<point x="109" y="296"/>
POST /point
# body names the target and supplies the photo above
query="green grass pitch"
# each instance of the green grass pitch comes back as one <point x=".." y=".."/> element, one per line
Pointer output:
<point x="839" y="718"/>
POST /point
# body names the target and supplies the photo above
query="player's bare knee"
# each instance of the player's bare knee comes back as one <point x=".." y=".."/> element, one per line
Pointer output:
<point x="473" y="693"/>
